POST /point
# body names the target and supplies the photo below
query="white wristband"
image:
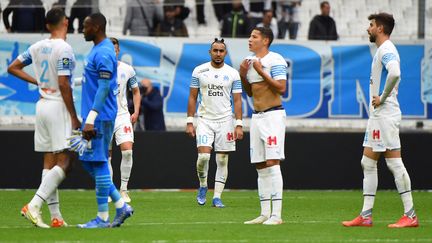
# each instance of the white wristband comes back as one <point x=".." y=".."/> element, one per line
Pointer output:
<point x="91" y="117"/>
<point x="239" y="123"/>
<point x="189" y="119"/>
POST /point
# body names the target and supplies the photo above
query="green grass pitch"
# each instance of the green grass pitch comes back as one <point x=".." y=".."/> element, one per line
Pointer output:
<point x="174" y="216"/>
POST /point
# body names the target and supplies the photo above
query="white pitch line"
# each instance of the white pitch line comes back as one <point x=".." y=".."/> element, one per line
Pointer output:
<point x="306" y="241"/>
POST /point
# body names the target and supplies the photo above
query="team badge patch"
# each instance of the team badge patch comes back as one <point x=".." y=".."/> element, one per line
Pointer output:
<point x="66" y="63"/>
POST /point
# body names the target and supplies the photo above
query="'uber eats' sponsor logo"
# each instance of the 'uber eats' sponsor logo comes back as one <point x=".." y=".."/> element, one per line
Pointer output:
<point x="214" y="90"/>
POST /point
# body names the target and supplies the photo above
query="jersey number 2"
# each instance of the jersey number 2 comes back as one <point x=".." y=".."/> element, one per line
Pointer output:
<point x="44" y="66"/>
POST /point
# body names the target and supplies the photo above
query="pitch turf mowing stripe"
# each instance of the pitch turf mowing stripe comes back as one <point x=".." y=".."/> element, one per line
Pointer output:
<point x="310" y="216"/>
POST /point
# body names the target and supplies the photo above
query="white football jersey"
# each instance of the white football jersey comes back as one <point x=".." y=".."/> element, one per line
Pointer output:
<point x="50" y="58"/>
<point x="385" y="54"/>
<point x="125" y="79"/>
<point x="272" y="63"/>
<point x="215" y="87"/>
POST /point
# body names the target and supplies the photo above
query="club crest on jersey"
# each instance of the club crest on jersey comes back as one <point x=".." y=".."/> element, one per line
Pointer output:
<point x="225" y="78"/>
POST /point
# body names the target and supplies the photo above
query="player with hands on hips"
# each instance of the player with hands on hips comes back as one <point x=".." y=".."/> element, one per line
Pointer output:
<point x="382" y="131"/>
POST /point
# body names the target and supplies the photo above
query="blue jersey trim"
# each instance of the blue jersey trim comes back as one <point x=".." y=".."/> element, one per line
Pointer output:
<point x="386" y="58"/>
<point x="194" y="82"/>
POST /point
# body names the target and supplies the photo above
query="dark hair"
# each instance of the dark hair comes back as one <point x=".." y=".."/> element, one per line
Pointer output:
<point x="267" y="10"/>
<point x="324" y="3"/>
<point x="168" y="8"/>
<point x="54" y="16"/>
<point x="384" y="19"/>
<point x="266" y="32"/>
<point x="99" y="20"/>
<point x="115" y="41"/>
<point x="216" y="40"/>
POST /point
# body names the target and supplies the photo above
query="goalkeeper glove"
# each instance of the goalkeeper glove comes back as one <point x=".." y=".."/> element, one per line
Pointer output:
<point x="77" y="143"/>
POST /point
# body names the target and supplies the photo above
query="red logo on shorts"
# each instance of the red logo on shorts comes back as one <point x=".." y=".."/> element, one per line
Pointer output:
<point x="230" y="136"/>
<point x="376" y="134"/>
<point x="271" y="140"/>
<point x="127" y="129"/>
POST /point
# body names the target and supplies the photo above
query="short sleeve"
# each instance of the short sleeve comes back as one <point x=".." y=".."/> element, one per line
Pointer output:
<point x="388" y="57"/>
<point x="278" y="69"/>
<point x="132" y="82"/>
<point x="195" y="80"/>
<point x="25" y="57"/>
<point x="65" y="62"/>
<point x="236" y="86"/>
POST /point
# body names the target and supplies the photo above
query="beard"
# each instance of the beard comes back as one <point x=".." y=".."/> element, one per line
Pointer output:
<point x="218" y="62"/>
<point x="89" y="37"/>
<point x="372" y="38"/>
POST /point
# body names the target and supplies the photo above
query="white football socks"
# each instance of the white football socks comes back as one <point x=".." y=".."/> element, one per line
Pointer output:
<point x="221" y="174"/>
<point x="402" y="181"/>
<point x="120" y="203"/>
<point x="202" y="165"/>
<point x="370" y="184"/>
<point x="49" y="184"/>
<point x="125" y="168"/>
<point x="264" y="190"/>
<point x="53" y="201"/>
<point x="276" y="190"/>
<point x="103" y="215"/>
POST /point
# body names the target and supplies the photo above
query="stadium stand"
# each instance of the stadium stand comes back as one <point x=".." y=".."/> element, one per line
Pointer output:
<point x="350" y="16"/>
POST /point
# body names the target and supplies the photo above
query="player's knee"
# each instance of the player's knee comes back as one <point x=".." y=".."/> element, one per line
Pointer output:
<point x="396" y="166"/>
<point x="402" y="179"/>
<point x="126" y="155"/>
<point x="369" y="164"/>
<point x="221" y="159"/>
<point x="202" y="161"/>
